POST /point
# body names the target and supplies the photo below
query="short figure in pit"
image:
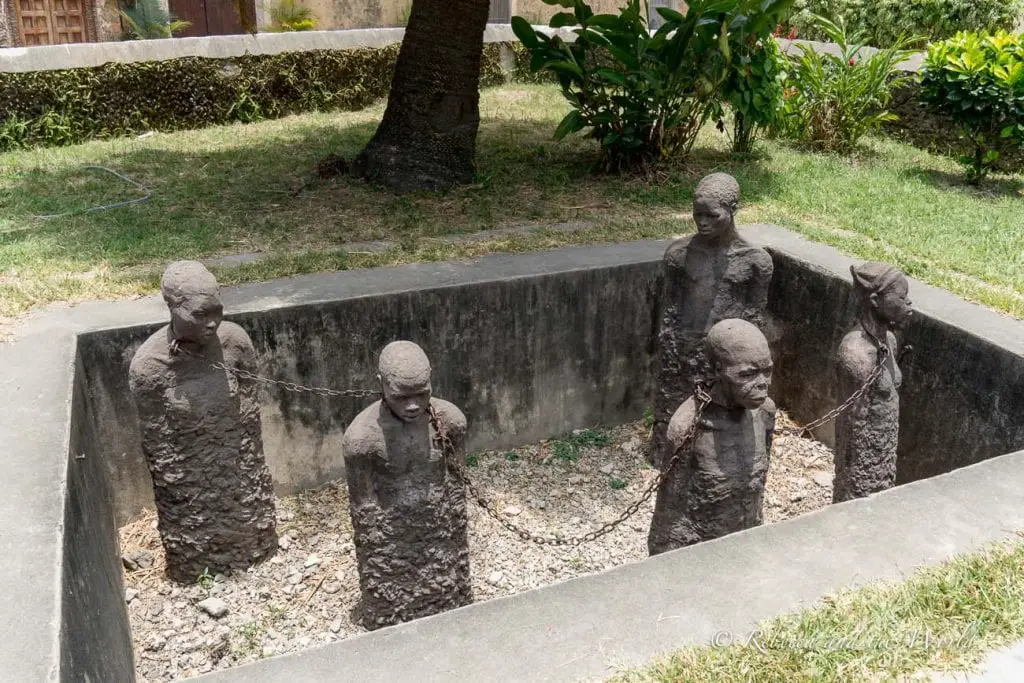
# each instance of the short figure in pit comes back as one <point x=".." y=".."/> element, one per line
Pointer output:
<point x="711" y="276"/>
<point x="867" y="434"/>
<point x="408" y="508"/>
<point x="717" y="485"/>
<point x="201" y="433"/>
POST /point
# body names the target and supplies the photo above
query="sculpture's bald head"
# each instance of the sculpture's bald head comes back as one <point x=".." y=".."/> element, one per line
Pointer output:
<point x="884" y="290"/>
<point x="715" y="202"/>
<point x="742" y="363"/>
<point x="404" y="373"/>
<point x="193" y="298"/>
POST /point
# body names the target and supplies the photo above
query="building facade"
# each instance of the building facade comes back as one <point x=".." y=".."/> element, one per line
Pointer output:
<point x="53" y="22"/>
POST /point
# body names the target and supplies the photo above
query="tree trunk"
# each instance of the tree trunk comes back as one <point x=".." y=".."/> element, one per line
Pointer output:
<point x="427" y="138"/>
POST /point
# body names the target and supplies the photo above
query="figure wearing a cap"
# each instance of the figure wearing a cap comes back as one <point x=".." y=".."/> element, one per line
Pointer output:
<point x="867" y="434"/>
<point x="201" y="433"/>
<point x="408" y="509"/>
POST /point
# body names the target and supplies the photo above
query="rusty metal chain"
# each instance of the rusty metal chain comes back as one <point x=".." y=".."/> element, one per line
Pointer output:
<point x="448" y="449"/>
<point x="176" y="347"/>
<point x="807" y="430"/>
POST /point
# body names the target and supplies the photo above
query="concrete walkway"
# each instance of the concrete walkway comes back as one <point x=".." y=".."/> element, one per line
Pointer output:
<point x="1002" y="666"/>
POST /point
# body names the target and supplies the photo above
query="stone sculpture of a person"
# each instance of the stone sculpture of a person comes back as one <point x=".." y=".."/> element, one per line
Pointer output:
<point x="867" y="434"/>
<point x="717" y="485"/>
<point x="408" y="509"/>
<point x="201" y="433"/>
<point x="710" y="276"/>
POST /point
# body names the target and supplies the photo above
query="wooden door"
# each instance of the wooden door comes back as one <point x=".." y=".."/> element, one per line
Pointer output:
<point x="34" y="22"/>
<point x="209" y="17"/>
<point x="222" y="19"/>
<point x="68" y="21"/>
<point x="194" y="12"/>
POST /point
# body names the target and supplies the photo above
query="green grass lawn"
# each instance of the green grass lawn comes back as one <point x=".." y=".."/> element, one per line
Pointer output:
<point x="252" y="188"/>
<point x="944" y="618"/>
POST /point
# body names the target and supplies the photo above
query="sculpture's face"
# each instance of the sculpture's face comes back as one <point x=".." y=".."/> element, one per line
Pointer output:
<point x="893" y="306"/>
<point x="197" y="318"/>
<point x="407" y="401"/>
<point x="711" y="216"/>
<point x="745" y="376"/>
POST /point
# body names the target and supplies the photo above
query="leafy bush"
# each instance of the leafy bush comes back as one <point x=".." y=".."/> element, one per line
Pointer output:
<point x="754" y="91"/>
<point x="289" y="15"/>
<point x="69" y="106"/>
<point x="882" y="22"/>
<point x="146" y="19"/>
<point x="643" y="96"/>
<point x="834" y="100"/>
<point x="978" y="81"/>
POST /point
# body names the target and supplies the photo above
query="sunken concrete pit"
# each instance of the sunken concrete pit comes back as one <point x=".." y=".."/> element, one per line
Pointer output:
<point x="530" y="346"/>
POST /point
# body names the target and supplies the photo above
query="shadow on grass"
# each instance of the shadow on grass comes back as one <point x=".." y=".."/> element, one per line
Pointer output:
<point x="246" y="188"/>
<point x="990" y="188"/>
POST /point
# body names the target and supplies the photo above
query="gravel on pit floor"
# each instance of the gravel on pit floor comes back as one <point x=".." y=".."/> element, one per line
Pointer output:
<point x="306" y="594"/>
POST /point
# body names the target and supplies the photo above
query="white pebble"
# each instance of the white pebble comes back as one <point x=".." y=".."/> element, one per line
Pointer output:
<point x="512" y="511"/>
<point x="215" y="607"/>
<point x="495" y="578"/>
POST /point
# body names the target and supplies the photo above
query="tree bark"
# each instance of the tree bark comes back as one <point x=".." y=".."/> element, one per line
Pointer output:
<point x="427" y="138"/>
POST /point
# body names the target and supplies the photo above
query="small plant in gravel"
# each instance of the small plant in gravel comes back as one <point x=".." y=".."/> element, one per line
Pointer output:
<point x="569" y="447"/>
<point x="472" y="460"/>
<point x="617" y="484"/>
<point x="205" y="580"/>
<point x="512" y="456"/>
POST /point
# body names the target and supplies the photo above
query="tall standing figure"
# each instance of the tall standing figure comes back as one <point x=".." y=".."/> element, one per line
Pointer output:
<point x="709" y="277"/>
<point x="717" y="485"/>
<point x="867" y="434"/>
<point x="201" y="433"/>
<point x="408" y="508"/>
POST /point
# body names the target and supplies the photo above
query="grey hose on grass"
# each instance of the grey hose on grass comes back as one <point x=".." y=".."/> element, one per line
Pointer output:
<point x="104" y="207"/>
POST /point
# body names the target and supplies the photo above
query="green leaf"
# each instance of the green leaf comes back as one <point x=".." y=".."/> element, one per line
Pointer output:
<point x="572" y="123"/>
<point x="563" y="19"/>
<point x="525" y="32"/>
<point x="615" y="77"/>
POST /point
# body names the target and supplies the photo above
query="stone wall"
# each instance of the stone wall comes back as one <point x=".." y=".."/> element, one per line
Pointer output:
<point x="8" y="24"/>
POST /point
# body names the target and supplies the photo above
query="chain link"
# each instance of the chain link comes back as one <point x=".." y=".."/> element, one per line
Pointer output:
<point x="448" y="449"/>
<point x="176" y="348"/>
<point x="807" y="430"/>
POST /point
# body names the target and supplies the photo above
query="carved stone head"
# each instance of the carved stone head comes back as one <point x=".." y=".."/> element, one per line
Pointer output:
<point x="741" y="364"/>
<point x="193" y="298"/>
<point x="715" y="203"/>
<point x="404" y="374"/>
<point x="884" y="291"/>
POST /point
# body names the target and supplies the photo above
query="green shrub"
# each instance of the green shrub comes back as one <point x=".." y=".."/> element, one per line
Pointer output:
<point x="289" y="15"/>
<point x="834" y="100"/>
<point x="74" y="105"/>
<point x="978" y="81"/>
<point x="645" y="97"/>
<point x="754" y="91"/>
<point x="882" y="22"/>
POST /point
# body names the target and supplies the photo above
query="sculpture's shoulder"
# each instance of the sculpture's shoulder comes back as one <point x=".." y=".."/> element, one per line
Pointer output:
<point x="235" y="341"/>
<point x="757" y="257"/>
<point x="450" y="415"/>
<point x="675" y="255"/>
<point x="856" y="355"/>
<point x="682" y="420"/>
<point x="151" y="362"/>
<point x="767" y="412"/>
<point x="364" y="436"/>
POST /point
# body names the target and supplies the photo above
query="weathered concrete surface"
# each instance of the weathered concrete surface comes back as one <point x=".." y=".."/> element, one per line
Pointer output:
<point x="94" y="625"/>
<point x="1002" y="666"/>
<point x="968" y="359"/>
<point x="77" y="55"/>
<point x="586" y="628"/>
